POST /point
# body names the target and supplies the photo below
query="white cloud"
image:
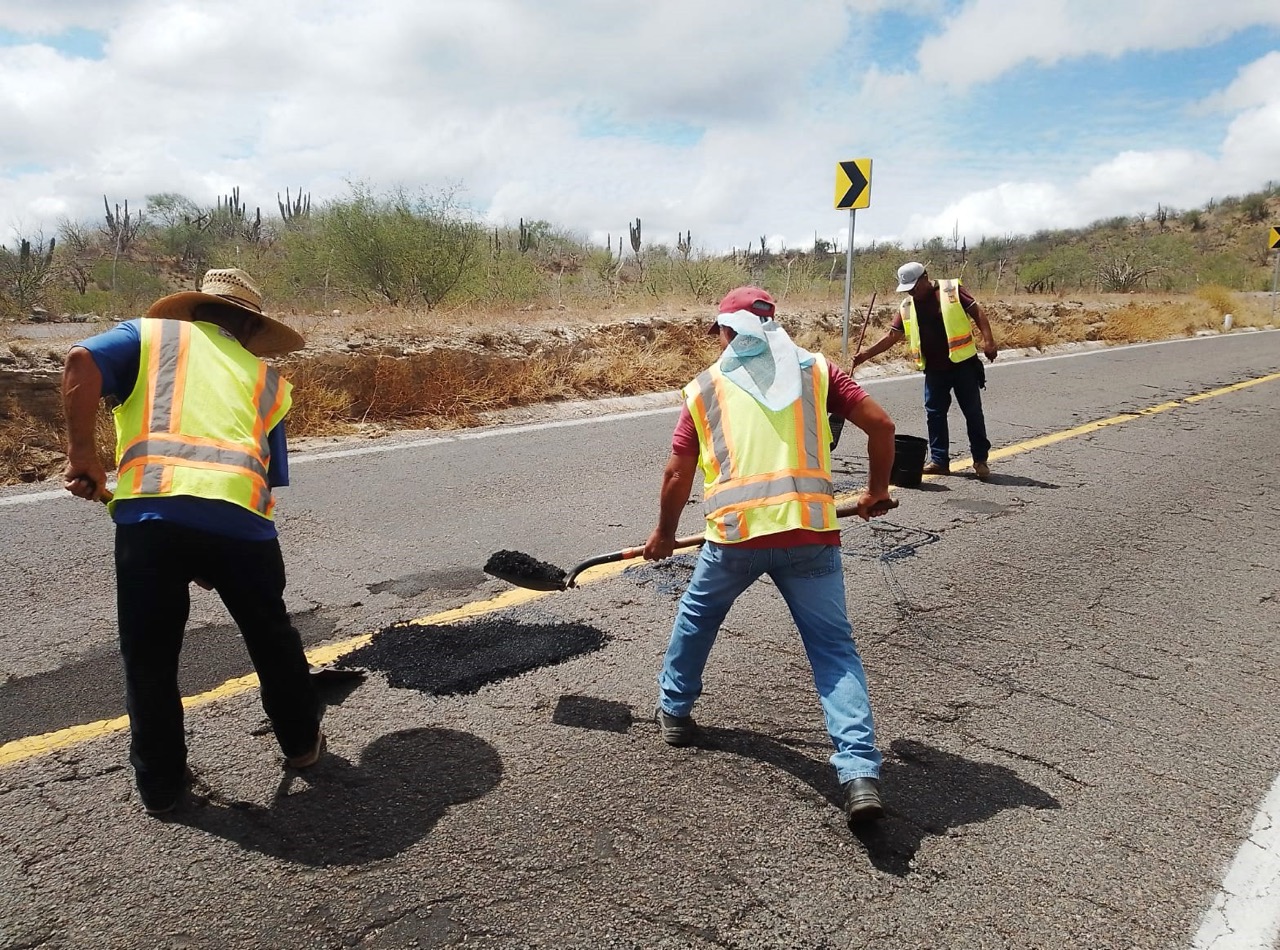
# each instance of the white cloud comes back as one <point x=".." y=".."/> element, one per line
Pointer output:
<point x="1256" y="85"/>
<point x="513" y="100"/>
<point x="990" y="37"/>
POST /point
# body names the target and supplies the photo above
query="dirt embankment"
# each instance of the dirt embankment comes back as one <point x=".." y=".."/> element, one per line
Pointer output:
<point x="374" y="376"/>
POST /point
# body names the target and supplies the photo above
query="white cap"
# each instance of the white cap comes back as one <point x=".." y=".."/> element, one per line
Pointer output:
<point x="908" y="274"/>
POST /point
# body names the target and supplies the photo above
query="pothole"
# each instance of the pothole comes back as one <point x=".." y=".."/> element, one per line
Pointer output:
<point x="461" y="658"/>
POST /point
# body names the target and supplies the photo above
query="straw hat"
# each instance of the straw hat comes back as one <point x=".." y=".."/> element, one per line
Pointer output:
<point x="232" y="286"/>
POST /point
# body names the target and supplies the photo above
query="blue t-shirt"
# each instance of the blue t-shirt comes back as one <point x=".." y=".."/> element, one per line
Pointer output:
<point x="117" y="353"/>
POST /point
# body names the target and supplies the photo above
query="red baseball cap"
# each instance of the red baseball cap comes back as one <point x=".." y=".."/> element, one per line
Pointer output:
<point x="753" y="299"/>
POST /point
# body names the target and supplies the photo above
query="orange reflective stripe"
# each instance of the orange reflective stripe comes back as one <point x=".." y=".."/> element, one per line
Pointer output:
<point x="199" y="441"/>
<point x="153" y="374"/>
<point x="179" y="382"/>
<point x="700" y="408"/>
<point x="757" y="486"/>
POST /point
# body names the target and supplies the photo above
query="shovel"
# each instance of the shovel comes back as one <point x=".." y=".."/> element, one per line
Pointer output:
<point x="522" y="570"/>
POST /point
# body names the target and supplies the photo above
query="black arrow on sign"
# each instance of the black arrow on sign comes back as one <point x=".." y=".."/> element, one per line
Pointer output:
<point x="857" y="183"/>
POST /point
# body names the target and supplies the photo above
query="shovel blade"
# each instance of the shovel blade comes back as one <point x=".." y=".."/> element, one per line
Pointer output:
<point x="522" y="570"/>
<point x="530" y="583"/>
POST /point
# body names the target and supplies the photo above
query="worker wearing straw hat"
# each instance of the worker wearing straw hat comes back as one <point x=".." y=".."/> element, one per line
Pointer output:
<point x="200" y="445"/>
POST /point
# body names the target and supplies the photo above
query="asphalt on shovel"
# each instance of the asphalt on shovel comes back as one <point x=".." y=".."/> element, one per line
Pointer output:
<point x="522" y="570"/>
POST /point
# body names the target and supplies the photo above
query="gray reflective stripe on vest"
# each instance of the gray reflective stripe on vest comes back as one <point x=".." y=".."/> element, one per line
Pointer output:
<point x="811" y="458"/>
<point x="270" y="391"/>
<point x="168" y="344"/>
<point x="817" y="514"/>
<point x="180" y="452"/>
<point x="773" y="487"/>
<point x="169" y="352"/>
<point x="715" y="421"/>
<point x="733" y="526"/>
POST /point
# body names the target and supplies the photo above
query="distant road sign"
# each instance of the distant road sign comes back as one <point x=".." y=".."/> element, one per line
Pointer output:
<point x="853" y="184"/>
<point x="1275" y="239"/>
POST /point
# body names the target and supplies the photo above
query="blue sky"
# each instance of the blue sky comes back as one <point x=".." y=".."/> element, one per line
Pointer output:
<point x="721" y="117"/>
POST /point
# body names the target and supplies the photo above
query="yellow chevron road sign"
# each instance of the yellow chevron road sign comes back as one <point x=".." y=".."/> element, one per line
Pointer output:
<point x="853" y="184"/>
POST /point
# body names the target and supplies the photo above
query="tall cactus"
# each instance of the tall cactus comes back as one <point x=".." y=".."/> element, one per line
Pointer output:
<point x="294" y="210"/>
<point x="635" y="236"/>
<point x="121" y="228"/>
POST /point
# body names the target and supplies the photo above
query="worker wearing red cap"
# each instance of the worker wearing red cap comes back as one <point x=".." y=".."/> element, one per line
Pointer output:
<point x="756" y="423"/>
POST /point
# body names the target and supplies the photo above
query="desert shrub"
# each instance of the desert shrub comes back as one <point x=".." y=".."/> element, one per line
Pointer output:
<point x="1219" y="298"/>
<point x="401" y="249"/>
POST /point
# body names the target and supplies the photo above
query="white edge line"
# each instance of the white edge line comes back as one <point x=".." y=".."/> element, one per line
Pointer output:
<point x="486" y="433"/>
<point x="31" y="498"/>
<point x="1245" y="914"/>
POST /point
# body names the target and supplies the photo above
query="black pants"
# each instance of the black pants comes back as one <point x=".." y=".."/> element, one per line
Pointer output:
<point x="156" y="561"/>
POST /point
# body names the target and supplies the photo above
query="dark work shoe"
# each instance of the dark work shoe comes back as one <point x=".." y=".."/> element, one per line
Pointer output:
<point x="158" y="809"/>
<point x="676" y="730"/>
<point x="159" y="803"/>
<point x="862" y="800"/>
<point x="309" y="758"/>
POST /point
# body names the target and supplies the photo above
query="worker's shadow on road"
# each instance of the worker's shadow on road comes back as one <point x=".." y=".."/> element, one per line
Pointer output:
<point x="339" y="813"/>
<point x="926" y="791"/>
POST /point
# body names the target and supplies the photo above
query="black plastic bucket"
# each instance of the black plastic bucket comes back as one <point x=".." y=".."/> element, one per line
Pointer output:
<point x="909" y="453"/>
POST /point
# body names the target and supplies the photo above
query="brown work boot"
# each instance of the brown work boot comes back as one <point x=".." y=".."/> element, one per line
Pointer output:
<point x="936" y="468"/>
<point x="982" y="470"/>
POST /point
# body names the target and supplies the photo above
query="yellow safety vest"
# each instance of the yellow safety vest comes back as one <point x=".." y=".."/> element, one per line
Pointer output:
<point x="955" y="321"/>
<point x="198" y="419"/>
<point x="764" y="471"/>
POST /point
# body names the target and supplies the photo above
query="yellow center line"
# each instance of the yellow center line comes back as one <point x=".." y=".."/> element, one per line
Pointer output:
<point x="19" y="750"/>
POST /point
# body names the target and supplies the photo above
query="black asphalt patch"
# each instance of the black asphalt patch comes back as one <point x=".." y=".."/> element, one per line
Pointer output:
<point x="446" y="660"/>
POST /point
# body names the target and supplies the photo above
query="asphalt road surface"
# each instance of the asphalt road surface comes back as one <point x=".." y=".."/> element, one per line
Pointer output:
<point x="1075" y="672"/>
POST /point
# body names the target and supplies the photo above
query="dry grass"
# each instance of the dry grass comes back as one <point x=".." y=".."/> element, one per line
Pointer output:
<point x="453" y="383"/>
<point x="32" y="449"/>
<point x="447" y="388"/>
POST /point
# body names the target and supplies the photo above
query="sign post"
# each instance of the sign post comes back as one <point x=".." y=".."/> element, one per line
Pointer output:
<point x="1273" y="242"/>
<point x="853" y="191"/>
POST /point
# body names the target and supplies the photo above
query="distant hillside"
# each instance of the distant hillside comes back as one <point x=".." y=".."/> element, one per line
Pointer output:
<point x="421" y="253"/>
<point x="1167" y="250"/>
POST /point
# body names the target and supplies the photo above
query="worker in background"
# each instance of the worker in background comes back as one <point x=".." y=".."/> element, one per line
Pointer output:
<point x="200" y="444"/>
<point x="756" y="424"/>
<point x="934" y="319"/>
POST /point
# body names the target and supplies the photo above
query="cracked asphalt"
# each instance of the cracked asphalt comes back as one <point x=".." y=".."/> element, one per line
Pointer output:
<point x="1074" y="670"/>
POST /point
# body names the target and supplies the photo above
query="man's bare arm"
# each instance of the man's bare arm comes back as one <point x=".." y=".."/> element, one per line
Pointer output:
<point x="988" y="338"/>
<point x="889" y="339"/>
<point x="869" y="416"/>
<point x="84" y="475"/>
<point x="677" y="484"/>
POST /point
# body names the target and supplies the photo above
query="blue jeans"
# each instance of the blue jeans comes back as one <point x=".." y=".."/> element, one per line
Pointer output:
<point x="966" y="379"/>
<point x="812" y="583"/>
